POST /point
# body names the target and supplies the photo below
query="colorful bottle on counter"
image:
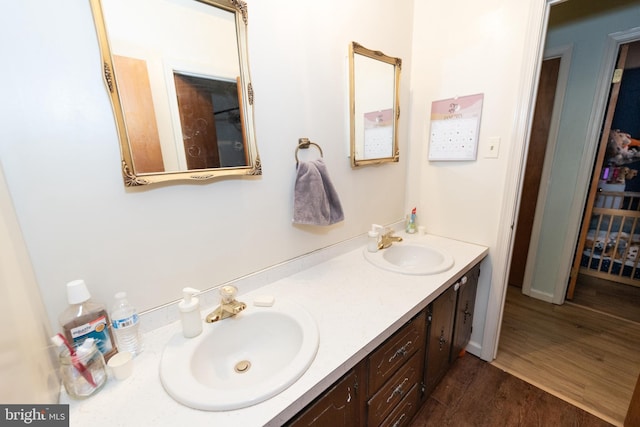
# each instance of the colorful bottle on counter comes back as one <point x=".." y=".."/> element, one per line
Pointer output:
<point x="410" y="225"/>
<point x="86" y="319"/>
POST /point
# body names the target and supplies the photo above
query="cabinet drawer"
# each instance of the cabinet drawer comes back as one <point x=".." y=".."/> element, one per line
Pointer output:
<point x="404" y="412"/>
<point x="388" y="397"/>
<point x="386" y="360"/>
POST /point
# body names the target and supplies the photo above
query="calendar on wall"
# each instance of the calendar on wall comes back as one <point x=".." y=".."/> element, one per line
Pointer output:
<point x="455" y="126"/>
<point x="378" y="134"/>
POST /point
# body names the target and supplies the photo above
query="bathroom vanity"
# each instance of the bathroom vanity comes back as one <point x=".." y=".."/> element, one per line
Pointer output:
<point x="387" y="387"/>
<point x="385" y="340"/>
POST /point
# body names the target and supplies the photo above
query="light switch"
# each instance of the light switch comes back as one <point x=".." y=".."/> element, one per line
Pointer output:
<point x="492" y="148"/>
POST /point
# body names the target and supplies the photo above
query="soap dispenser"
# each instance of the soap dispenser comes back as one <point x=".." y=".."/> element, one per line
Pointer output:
<point x="374" y="238"/>
<point x="190" y="313"/>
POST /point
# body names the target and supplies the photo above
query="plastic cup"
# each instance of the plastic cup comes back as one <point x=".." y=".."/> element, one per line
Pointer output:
<point x="121" y="365"/>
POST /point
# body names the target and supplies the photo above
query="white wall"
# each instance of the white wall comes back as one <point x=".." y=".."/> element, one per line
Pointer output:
<point x="588" y="33"/>
<point x="26" y="360"/>
<point x="59" y="151"/>
<point x="462" y="48"/>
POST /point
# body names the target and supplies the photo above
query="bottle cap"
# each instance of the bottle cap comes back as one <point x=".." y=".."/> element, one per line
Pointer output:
<point x="189" y="302"/>
<point x="120" y="295"/>
<point x="375" y="230"/>
<point x="77" y="292"/>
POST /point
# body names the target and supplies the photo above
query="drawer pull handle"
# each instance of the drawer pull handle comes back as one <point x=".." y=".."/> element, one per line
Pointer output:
<point x="402" y="351"/>
<point x="467" y="313"/>
<point x="397" y="390"/>
<point x="442" y="339"/>
<point x="397" y="423"/>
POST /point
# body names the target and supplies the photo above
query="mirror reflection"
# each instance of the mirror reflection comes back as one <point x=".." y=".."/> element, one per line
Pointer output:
<point x="177" y="74"/>
<point x="374" y="106"/>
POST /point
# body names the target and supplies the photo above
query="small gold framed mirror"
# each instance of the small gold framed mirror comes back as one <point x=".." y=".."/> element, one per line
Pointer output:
<point x="374" y="106"/>
<point x="177" y="74"/>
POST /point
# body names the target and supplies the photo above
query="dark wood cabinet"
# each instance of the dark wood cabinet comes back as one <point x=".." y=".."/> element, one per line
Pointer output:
<point x="387" y="387"/>
<point x="440" y="316"/>
<point x="340" y="405"/>
<point x="464" y="312"/>
<point x="395" y="374"/>
<point x="450" y="320"/>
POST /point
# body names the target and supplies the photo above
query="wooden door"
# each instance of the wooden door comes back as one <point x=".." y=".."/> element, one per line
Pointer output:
<point x="533" y="169"/>
<point x="439" y="342"/>
<point x="633" y="414"/>
<point x="597" y="169"/>
<point x="465" y="306"/>
<point x="198" y="123"/>
<point x="134" y="89"/>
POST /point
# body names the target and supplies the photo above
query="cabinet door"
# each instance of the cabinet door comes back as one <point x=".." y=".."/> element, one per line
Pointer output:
<point x="464" y="311"/>
<point x="341" y="405"/>
<point x="441" y="315"/>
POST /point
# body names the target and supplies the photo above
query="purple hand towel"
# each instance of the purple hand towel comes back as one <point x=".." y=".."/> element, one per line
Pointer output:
<point x="315" y="201"/>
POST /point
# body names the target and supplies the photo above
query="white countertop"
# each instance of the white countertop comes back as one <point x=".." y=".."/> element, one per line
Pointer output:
<point x="356" y="305"/>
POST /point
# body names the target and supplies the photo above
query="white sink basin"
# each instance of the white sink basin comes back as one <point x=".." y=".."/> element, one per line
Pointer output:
<point x="240" y="361"/>
<point x="411" y="258"/>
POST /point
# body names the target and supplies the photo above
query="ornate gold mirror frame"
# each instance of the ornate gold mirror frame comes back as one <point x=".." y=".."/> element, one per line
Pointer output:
<point x="374" y="106"/>
<point x="161" y="62"/>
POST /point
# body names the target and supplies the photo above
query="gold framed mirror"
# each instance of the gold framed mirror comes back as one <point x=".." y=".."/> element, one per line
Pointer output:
<point x="374" y="106"/>
<point x="177" y="74"/>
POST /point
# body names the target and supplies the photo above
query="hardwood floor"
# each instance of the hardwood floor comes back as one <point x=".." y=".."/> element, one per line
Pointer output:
<point x="584" y="357"/>
<point x="608" y="297"/>
<point x="475" y="393"/>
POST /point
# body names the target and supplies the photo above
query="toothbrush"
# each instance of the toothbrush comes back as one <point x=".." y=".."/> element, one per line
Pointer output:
<point x="59" y="340"/>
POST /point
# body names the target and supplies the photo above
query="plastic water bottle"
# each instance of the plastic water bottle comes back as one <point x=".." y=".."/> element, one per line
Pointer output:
<point x="126" y="325"/>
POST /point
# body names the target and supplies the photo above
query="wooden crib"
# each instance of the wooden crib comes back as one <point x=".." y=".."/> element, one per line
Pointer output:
<point x="611" y="248"/>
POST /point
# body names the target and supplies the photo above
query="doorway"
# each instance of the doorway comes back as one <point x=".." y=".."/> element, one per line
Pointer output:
<point x="605" y="274"/>
<point x="550" y="284"/>
<point x="610" y="42"/>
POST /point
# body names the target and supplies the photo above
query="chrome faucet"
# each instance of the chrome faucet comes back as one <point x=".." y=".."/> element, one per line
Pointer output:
<point x="387" y="239"/>
<point x="228" y="305"/>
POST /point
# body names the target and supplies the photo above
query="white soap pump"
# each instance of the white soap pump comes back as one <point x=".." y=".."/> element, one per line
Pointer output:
<point x="190" y="313"/>
<point x="374" y="238"/>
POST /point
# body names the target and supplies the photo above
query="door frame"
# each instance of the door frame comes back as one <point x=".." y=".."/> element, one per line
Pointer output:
<point x="532" y="62"/>
<point x="564" y="53"/>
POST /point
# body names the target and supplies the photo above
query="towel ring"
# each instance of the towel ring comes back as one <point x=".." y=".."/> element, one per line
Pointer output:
<point x="305" y="143"/>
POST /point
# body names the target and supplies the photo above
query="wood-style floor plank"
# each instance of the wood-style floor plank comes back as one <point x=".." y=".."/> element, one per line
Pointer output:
<point x="608" y="297"/>
<point x="475" y="393"/>
<point x="587" y="358"/>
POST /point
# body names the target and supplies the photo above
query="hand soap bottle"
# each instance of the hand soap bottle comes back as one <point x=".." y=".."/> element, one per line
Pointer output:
<point x="190" y="313"/>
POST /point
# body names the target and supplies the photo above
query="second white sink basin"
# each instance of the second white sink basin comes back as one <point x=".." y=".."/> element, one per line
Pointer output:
<point x="411" y="258"/>
<point x="242" y="360"/>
